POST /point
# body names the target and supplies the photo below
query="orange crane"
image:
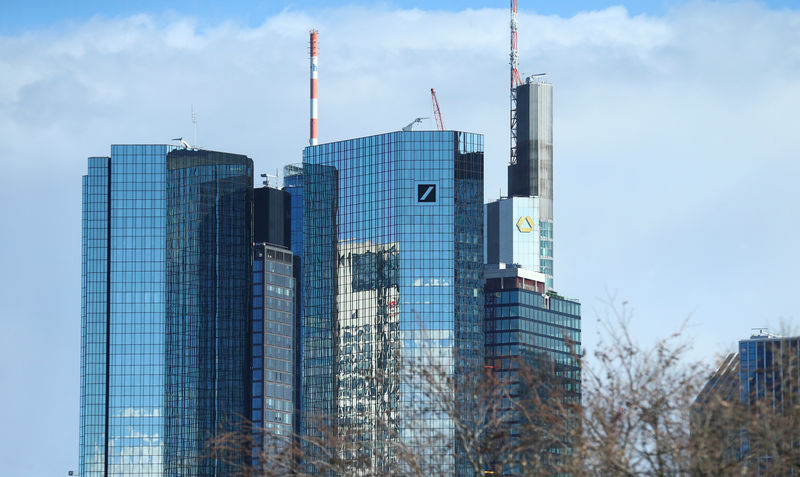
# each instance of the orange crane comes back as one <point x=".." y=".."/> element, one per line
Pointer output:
<point x="436" y="112"/>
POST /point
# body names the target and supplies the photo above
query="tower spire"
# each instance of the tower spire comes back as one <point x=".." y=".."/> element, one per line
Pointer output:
<point x="312" y="141"/>
<point x="515" y="81"/>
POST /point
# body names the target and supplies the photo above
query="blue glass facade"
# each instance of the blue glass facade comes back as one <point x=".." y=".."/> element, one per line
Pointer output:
<point x="767" y="365"/>
<point x="525" y="324"/>
<point x="166" y="303"/>
<point x="763" y="376"/>
<point x="392" y="274"/>
<point x="272" y="354"/>
<point x="293" y="185"/>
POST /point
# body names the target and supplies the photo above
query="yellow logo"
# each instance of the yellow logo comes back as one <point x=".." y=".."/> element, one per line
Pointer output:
<point x="525" y="224"/>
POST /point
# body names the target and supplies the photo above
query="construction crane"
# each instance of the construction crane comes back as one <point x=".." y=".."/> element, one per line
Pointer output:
<point x="515" y="81"/>
<point x="437" y="113"/>
<point x="183" y="143"/>
<point x="410" y="125"/>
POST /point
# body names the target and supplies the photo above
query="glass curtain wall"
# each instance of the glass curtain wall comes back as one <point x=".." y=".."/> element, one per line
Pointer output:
<point x="166" y="301"/>
<point x="393" y="235"/>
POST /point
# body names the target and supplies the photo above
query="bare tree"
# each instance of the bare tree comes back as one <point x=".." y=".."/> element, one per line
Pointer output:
<point x="638" y="411"/>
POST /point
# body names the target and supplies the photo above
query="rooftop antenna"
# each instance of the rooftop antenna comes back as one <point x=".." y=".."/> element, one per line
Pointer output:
<point x="194" y="122"/>
<point x="410" y="125"/>
<point x="267" y="176"/>
<point x="515" y="81"/>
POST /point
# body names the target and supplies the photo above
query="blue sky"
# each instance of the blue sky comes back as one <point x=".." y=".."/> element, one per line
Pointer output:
<point x="18" y="16"/>
<point x="676" y="148"/>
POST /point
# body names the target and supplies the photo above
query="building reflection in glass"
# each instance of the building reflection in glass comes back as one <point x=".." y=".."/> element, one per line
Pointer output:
<point x="392" y="282"/>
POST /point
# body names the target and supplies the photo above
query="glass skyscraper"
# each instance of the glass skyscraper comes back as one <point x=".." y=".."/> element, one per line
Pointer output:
<point x="526" y="322"/>
<point x="526" y="325"/>
<point x="757" y="434"/>
<point x="166" y="301"/>
<point x="273" y="341"/>
<point x="274" y="333"/>
<point x="519" y="227"/>
<point x="392" y="277"/>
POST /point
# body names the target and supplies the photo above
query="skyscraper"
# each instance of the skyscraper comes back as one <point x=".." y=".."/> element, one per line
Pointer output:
<point x="274" y="333"/>
<point x="166" y="301"/>
<point x="747" y="415"/>
<point x="392" y="235"/>
<point x="519" y="228"/>
<point x="527" y="323"/>
<point x="527" y="326"/>
<point x="273" y="342"/>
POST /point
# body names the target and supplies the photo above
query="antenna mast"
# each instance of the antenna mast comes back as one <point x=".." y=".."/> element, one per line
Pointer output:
<point x="436" y="112"/>
<point x="312" y="141"/>
<point x="515" y="81"/>
<point x="194" y="122"/>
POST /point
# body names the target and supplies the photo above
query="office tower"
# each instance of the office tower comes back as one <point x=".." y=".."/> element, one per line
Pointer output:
<point x="393" y="253"/>
<point x="519" y="228"/>
<point x="272" y="408"/>
<point x="540" y="331"/>
<point x="528" y="324"/>
<point x="749" y="409"/>
<point x="273" y="327"/>
<point x="166" y="302"/>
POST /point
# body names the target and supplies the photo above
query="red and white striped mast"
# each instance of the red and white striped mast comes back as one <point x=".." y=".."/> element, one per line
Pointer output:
<point x="312" y="140"/>
<point x="515" y="81"/>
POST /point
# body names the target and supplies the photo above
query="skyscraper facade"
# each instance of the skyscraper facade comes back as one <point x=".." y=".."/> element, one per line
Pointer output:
<point x="271" y="216"/>
<point x="293" y="185"/>
<point x="523" y="320"/>
<point x="527" y="323"/>
<point x="527" y="326"/>
<point x="516" y="233"/>
<point x="273" y="362"/>
<point x="519" y="228"/>
<point x="532" y="175"/>
<point x="393" y="255"/>
<point x="769" y="368"/>
<point x="166" y="300"/>
<point x="746" y="415"/>
<point x="274" y="334"/>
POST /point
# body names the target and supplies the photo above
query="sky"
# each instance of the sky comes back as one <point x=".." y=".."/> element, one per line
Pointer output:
<point x="676" y="148"/>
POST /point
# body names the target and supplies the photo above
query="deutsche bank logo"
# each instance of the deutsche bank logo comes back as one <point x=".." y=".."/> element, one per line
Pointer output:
<point x="426" y="192"/>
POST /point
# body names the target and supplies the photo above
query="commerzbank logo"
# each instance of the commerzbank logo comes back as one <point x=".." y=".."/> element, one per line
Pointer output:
<point x="525" y="224"/>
